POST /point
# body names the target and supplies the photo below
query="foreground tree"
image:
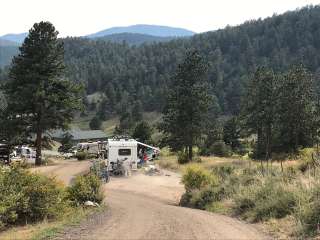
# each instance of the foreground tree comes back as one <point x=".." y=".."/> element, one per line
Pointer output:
<point x="37" y="94"/>
<point x="186" y="112"/>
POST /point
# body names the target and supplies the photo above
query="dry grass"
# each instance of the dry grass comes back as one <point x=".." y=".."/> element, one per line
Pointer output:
<point x="109" y="125"/>
<point x="169" y="160"/>
<point x="45" y="229"/>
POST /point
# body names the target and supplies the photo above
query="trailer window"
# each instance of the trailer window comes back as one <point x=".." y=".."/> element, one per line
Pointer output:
<point x="124" y="152"/>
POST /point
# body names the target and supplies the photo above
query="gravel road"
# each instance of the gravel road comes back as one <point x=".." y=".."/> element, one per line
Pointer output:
<point x="145" y="207"/>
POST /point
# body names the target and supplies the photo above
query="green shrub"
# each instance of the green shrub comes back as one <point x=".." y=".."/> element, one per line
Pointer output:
<point x="206" y="196"/>
<point x="27" y="197"/>
<point x="202" y="198"/>
<point x="220" y="149"/>
<point x="223" y="171"/>
<point x="183" y="157"/>
<point x="196" y="177"/>
<point x="86" y="188"/>
<point x="185" y="199"/>
<point x="81" y="156"/>
<point x="307" y="212"/>
<point x="259" y="202"/>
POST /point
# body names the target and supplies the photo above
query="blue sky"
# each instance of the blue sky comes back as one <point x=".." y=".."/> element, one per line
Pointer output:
<point x="81" y="17"/>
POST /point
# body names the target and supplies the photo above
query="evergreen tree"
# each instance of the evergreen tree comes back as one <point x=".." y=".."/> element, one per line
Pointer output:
<point x="36" y="93"/>
<point x="186" y="113"/>
<point x="259" y="109"/>
<point x="296" y="109"/>
<point x="137" y="111"/>
<point x="95" y="123"/>
<point x="143" y="132"/>
<point x="231" y="133"/>
<point x="66" y="142"/>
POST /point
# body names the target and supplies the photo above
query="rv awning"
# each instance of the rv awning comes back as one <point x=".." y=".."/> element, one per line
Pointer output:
<point x="146" y="145"/>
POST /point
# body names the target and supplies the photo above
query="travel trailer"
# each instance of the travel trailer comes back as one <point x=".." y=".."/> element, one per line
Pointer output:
<point x="89" y="147"/>
<point x="24" y="153"/>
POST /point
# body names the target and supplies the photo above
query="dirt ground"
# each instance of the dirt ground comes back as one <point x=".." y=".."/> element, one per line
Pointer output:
<point x="64" y="170"/>
<point x="145" y="207"/>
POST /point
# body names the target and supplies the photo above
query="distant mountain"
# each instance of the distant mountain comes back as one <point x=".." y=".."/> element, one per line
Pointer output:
<point x="7" y="43"/>
<point x="6" y="53"/>
<point x="153" y="30"/>
<point x="18" y="38"/>
<point x="134" y="38"/>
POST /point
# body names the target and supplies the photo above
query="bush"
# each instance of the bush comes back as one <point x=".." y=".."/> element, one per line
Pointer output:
<point x="260" y="202"/>
<point x="86" y="188"/>
<point x="308" y="211"/>
<point x="223" y="171"/>
<point x="206" y="196"/>
<point x="183" y="157"/>
<point x="196" y="177"/>
<point x="220" y="149"/>
<point x="27" y="197"/>
<point x="81" y="156"/>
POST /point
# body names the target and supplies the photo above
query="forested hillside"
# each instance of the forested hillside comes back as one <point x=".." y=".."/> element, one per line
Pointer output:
<point x="134" y="38"/>
<point x="129" y="73"/>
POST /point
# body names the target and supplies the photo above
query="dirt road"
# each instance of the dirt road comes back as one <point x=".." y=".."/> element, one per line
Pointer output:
<point x="144" y="207"/>
<point x="64" y="170"/>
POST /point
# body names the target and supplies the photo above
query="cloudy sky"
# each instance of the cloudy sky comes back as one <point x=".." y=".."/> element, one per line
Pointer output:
<point x="81" y="17"/>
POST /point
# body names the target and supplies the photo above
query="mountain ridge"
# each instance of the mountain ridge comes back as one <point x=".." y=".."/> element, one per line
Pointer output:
<point x="14" y="37"/>
<point x="153" y="30"/>
<point x="134" y="38"/>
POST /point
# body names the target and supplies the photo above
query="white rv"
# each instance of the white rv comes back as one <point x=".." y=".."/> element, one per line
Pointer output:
<point x="24" y="152"/>
<point x="125" y="151"/>
<point x="122" y="150"/>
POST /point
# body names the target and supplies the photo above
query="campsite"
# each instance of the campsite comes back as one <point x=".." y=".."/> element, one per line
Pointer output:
<point x="117" y="124"/>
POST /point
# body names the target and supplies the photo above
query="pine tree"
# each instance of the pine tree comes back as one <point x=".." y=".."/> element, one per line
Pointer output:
<point x="143" y="132"/>
<point x="37" y="94"/>
<point x="137" y="111"/>
<point x="296" y="108"/>
<point x="259" y="109"/>
<point x="186" y="112"/>
<point x="231" y="133"/>
<point x="95" y="123"/>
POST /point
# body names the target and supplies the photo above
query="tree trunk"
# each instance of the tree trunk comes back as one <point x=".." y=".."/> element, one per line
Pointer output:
<point x="190" y="154"/>
<point x="38" y="147"/>
<point x="268" y="146"/>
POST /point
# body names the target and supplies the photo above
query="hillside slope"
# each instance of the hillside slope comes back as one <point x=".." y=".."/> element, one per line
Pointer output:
<point x="130" y="74"/>
<point x="127" y="74"/>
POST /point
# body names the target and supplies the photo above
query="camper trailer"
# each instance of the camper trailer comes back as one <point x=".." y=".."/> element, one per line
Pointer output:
<point x="89" y="147"/>
<point x="127" y="152"/>
<point x="122" y="151"/>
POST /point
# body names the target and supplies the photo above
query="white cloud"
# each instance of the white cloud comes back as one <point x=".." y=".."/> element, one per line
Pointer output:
<point x="80" y="17"/>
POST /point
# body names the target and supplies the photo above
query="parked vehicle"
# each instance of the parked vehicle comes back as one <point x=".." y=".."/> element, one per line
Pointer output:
<point x="5" y="157"/>
<point x="24" y="153"/>
<point x="122" y="153"/>
<point x="91" y="148"/>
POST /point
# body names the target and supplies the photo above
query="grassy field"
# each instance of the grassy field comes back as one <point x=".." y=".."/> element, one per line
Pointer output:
<point x="169" y="160"/>
<point x="109" y="125"/>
